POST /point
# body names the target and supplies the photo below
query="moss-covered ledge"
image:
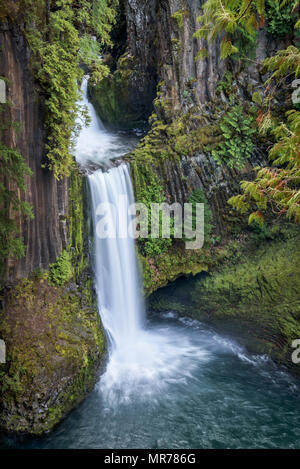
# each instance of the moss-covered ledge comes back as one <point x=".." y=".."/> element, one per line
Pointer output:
<point x="55" y="345"/>
<point x="252" y="294"/>
<point x="51" y="326"/>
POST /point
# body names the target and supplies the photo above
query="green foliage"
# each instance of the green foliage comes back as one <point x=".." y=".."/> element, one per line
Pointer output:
<point x="285" y="62"/>
<point x="225" y="85"/>
<point x="237" y="132"/>
<point x="229" y="19"/>
<point x="57" y="76"/>
<point x="280" y="19"/>
<point x="151" y="193"/>
<point x="13" y="170"/>
<point x="166" y="143"/>
<point x="70" y="338"/>
<point x="61" y="271"/>
<point x="277" y="187"/>
<point x="245" y="43"/>
<point x="233" y="21"/>
<point x="179" y="17"/>
<point x="60" y="36"/>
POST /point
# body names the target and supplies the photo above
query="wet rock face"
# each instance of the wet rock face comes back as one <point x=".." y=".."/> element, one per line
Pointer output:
<point x="218" y="183"/>
<point x="160" y="38"/>
<point x="163" y="47"/>
<point x="55" y="346"/>
<point x="160" y="49"/>
<point x="46" y="235"/>
<point x="141" y="45"/>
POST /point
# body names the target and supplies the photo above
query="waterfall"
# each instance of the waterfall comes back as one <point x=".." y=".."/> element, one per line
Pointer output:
<point x="142" y="360"/>
<point x="116" y="272"/>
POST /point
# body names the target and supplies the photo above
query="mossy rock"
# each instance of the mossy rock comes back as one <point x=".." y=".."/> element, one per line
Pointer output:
<point x="55" y="347"/>
<point x="252" y="296"/>
<point x="116" y="99"/>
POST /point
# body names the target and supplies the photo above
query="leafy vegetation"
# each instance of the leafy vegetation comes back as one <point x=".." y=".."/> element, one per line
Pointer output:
<point x="225" y="19"/>
<point x="276" y="188"/>
<point x="152" y="192"/>
<point x="228" y="19"/>
<point x="166" y="143"/>
<point x="179" y="16"/>
<point x="13" y="171"/>
<point x="61" y="34"/>
<point x="61" y="271"/>
<point x="280" y="19"/>
<point x="237" y="133"/>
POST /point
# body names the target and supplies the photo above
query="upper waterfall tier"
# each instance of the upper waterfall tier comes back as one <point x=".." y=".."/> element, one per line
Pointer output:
<point x="95" y="145"/>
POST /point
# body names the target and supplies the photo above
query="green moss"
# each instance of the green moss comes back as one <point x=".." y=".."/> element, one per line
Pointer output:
<point x="251" y="293"/>
<point x="167" y="143"/>
<point x="179" y="17"/>
<point x="261" y="293"/>
<point x="112" y="98"/>
<point x="166" y="267"/>
<point x="52" y="329"/>
<point x="55" y="345"/>
<point x="185" y="136"/>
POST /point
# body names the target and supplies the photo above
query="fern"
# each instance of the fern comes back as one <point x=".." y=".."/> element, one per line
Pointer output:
<point x="237" y="145"/>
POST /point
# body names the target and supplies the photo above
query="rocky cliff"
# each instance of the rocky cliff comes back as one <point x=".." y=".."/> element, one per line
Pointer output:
<point x="48" y="318"/>
<point x="46" y="235"/>
<point x="160" y="74"/>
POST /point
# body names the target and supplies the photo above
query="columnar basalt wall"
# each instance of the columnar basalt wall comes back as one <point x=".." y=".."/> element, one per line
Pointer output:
<point x="160" y="38"/>
<point x="46" y="235"/>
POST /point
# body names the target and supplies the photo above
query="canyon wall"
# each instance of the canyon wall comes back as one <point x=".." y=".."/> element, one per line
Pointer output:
<point x="160" y="38"/>
<point x="46" y="235"/>
<point x="49" y="319"/>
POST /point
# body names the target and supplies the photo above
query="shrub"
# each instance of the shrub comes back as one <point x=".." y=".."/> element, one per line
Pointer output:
<point x="61" y="271"/>
<point x="281" y="19"/>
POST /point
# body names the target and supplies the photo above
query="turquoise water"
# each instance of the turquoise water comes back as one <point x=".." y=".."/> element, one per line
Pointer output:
<point x="211" y="395"/>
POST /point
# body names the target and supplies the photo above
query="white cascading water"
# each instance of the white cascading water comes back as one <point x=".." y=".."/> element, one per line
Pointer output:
<point x="141" y="360"/>
<point x="115" y="261"/>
